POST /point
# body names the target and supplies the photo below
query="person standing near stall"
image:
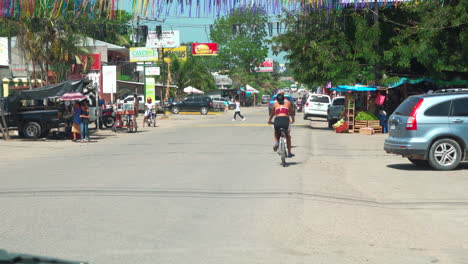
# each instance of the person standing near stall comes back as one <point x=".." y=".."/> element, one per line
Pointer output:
<point x="136" y="106"/>
<point x="84" y="123"/>
<point x="76" y="120"/>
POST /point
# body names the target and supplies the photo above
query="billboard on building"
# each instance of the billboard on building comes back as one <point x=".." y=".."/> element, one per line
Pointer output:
<point x="204" y="49"/>
<point x="180" y="52"/>
<point x="143" y="54"/>
<point x="168" y="39"/>
<point x="266" y="66"/>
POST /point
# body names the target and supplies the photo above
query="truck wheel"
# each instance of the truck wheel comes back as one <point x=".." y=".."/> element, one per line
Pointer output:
<point x="32" y="130"/>
<point x="204" y="110"/>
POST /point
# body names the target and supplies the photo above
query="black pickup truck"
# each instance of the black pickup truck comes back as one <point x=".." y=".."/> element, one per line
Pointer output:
<point x="37" y="121"/>
<point x="34" y="122"/>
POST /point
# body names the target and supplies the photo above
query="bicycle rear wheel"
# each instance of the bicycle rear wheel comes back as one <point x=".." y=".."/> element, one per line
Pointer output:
<point x="282" y="151"/>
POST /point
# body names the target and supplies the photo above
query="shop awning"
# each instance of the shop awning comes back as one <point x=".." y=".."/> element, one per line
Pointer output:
<point x="425" y="79"/>
<point x="54" y="90"/>
<point x="354" y="88"/>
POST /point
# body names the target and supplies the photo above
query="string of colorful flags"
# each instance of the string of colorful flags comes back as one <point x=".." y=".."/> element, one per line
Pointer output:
<point x="161" y="8"/>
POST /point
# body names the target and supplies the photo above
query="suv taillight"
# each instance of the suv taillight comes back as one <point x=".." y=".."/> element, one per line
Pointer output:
<point x="211" y="103"/>
<point x="411" y="123"/>
<point x="307" y="104"/>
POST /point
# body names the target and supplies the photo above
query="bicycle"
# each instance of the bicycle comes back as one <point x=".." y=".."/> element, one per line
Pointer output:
<point x="282" y="147"/>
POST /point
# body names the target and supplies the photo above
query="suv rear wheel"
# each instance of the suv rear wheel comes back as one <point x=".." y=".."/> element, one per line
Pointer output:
<point x="445" y="154"/>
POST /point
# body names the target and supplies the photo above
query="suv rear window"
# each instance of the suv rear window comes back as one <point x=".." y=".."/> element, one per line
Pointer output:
<point x="441" y="109"/>
<point x="339" y="101"/>
<point x="319" y="99"/>
<point x="407" y="106"/>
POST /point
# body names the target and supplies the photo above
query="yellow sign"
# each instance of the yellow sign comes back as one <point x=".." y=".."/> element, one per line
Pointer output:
<point x="180" y="52"/>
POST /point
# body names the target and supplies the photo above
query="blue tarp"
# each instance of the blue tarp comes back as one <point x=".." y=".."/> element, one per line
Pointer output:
<point x="354" y="88"/>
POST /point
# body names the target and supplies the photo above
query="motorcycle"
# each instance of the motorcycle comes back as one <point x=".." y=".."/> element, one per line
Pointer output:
<point x="107" y="118"/>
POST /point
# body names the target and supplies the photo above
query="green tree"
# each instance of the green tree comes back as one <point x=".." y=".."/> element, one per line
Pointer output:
<point x="241" y="38"/>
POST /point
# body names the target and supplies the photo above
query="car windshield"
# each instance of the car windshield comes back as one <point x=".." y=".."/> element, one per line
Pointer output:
<point x="331" y="175"/>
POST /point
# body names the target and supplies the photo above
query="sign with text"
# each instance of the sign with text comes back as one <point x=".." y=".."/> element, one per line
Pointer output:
<point x="143" y="54"/>
<point x="204" y="49"/>
<point x="4" y="51"/>
<point x="266" y="66"/>
<point x="109" y="79"/>
<point x="168" y="39"/>
<point x="180" y="52"/>
<point x="149" y="89"/>
<point x="151" y="71"/>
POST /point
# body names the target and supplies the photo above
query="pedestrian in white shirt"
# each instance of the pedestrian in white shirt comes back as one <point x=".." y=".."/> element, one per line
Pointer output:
<point x="237" y="112"/>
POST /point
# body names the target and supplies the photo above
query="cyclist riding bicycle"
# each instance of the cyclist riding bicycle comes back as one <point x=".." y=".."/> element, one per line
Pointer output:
<point x="284" y="115"/>
<point x="148" y="107"/>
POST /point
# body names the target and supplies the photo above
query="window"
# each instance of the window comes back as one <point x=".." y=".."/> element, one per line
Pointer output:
<point x="319" y="99"/>
<point x="441" y="109"/>
<point x="460" y="107"/>
<point x="339" y="101"/>
<point x="407" y="106"/>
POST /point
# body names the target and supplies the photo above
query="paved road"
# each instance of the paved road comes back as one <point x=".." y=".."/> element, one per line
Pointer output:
<point x="209" y="190"/>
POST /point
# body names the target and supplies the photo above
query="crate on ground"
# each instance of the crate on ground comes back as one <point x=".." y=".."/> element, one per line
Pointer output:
<point x="366" y="131"/>
<point x="360" y="123"/>
<point x="373" y="123"/>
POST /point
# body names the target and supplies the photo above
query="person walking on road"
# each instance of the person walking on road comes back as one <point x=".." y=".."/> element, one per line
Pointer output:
<point x="238" y="111"/>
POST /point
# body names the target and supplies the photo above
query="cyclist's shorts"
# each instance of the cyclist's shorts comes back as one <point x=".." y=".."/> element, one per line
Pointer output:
<point x="281" y="122"/>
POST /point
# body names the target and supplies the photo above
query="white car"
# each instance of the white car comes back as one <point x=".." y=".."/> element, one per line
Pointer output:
<point x="316" y="106"/>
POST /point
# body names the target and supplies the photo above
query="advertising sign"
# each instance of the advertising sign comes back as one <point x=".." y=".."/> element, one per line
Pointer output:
<point x="143" y="54"/>
<point x="4" y="51"/>
<point x="109" y="79"/>
<point x="205" y="49"/>
<point x="149" y="89"/>
<point x="180" y="52"/>
<point x="266" y="66"/>
<point x="152" y="71"/>
<point x="169" y="39"/>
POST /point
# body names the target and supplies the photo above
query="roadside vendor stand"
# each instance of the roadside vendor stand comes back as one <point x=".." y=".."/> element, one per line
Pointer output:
<point x="124" y="118"/>
<point x="358" y="99"/>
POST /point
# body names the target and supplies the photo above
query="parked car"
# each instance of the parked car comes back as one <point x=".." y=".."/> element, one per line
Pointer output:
<point x="286" y="97"/>
<point x="219" y="100"/>
<point x="431" y="130"/>
<point x="192" y="104"/>
<point x="34" y="123"/>
<point x="334" y="110"/>
<point x="265" y="99"/>
<point x="141" y="102"/>
<point x="316" y="106"/>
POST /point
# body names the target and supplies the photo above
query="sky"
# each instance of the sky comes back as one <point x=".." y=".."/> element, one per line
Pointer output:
<point x="192" y="29"/>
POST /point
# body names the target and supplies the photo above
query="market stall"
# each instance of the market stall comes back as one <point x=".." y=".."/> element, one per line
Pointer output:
<point x="364" y="112"/>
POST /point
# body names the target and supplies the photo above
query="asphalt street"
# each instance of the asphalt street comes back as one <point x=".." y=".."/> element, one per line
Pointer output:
<point x="205" y="189"/>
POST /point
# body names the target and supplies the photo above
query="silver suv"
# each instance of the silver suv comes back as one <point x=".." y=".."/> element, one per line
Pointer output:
<point x="431" y="130"/>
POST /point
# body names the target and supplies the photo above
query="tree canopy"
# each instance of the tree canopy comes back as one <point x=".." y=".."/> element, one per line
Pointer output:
<point x="348" y="46"/>
<point x="241" y="38"/>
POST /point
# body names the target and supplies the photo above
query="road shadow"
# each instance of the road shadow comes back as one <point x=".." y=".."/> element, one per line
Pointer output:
<point x="288" y="164"/>
<point x="412" y="167"/>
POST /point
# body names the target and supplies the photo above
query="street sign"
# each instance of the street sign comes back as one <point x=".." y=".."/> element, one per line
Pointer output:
<point x="180" y="52"/>
<point x="109" y="79"/>
<point x="4" y="51"/>
<point x="150" y="71"/>
<point x="204" y="49"/>
<point x="168" y="39"/>
<point x="149" y="88"/>
<point x="143" y="54"/>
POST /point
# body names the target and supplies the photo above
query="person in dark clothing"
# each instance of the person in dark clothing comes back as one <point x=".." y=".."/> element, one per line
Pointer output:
<point x="84" y="123"/>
